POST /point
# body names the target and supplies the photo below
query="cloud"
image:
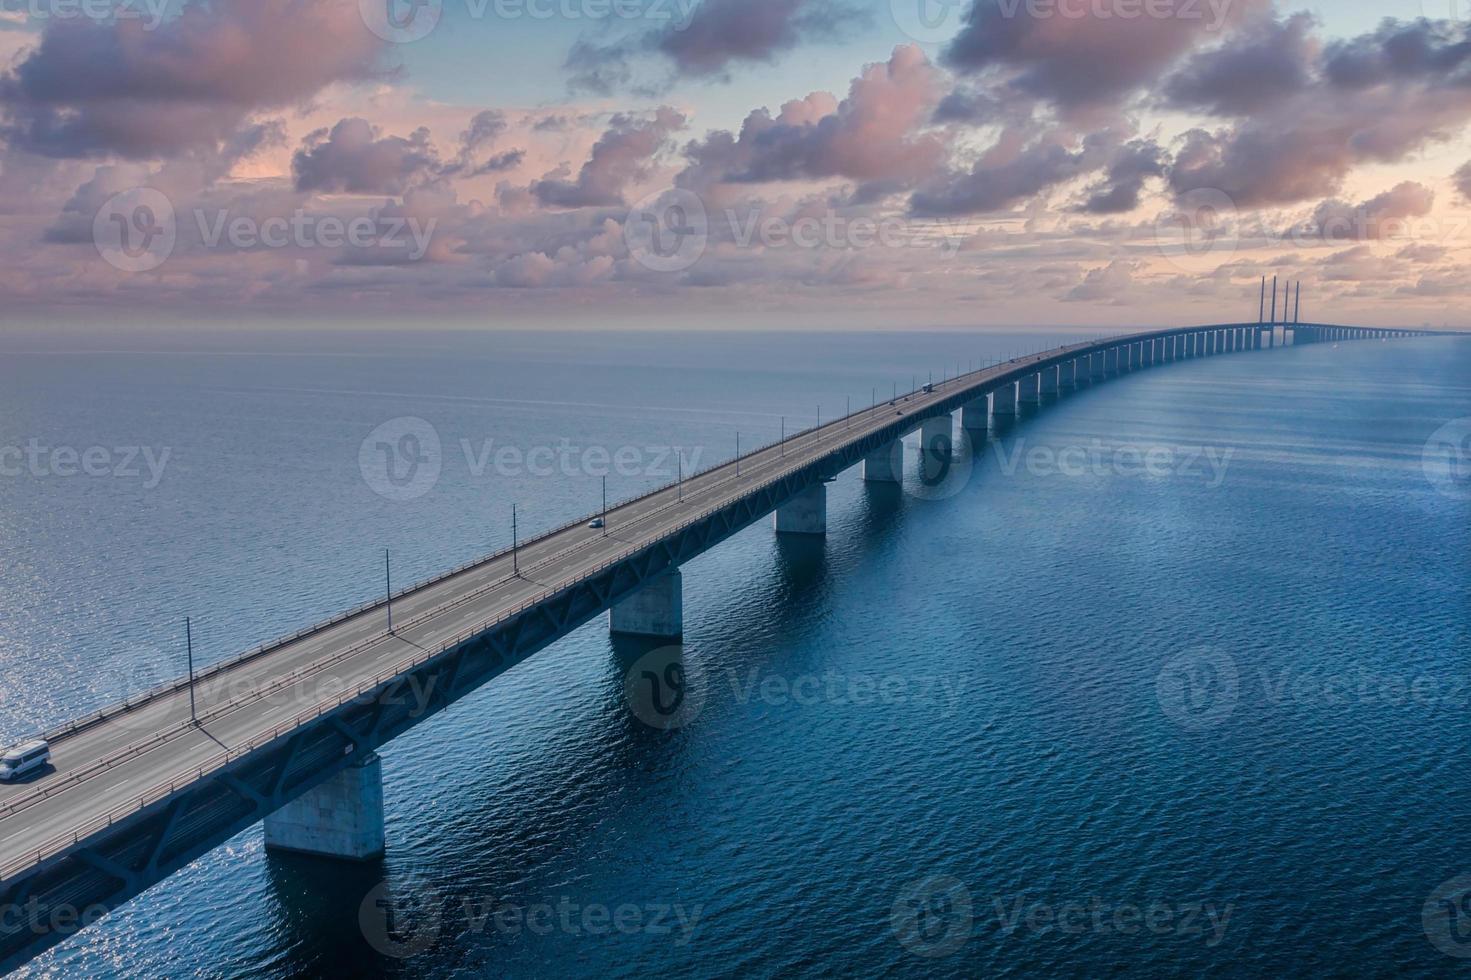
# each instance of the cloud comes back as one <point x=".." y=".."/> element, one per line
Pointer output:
<point x="716" y="36"/>
<point x="93" y="88"/>
<point x="1080" y="62"/>
<point x="354" y="159"/>
<point x="1380" y="217"/>
<point x="1269" y="60"/>
<point x="1110" y="284"/>
<point x="621" y="157"/>
<point x="1376" y="98"/>
<point x="1018" y="167"/>
<point x="1119" y="192"/>
<point x="1463" y="181"/>
<point x="874" y="134"/>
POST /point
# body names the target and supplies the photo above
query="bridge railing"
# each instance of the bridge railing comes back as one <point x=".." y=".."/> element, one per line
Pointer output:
<point x="162" y="790"/>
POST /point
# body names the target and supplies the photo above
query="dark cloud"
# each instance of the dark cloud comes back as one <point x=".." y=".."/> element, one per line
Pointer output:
<point x="1268" y="61"/>
<point x="718" y="35"/>
<point x="1136" y="162"/>
<point x="95" y="88"/>
<point x="621" y="157"/>
<point x="1399" y="51"/>
<point x="1463" y="181"/>
<point x="353" y="158"/>
<point x="1014" y="170"/>
<point x="725" y="31"/>
<point x="1088" y="61"/>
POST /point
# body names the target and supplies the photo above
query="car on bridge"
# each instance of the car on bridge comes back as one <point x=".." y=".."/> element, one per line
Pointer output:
<point x="23" y="760"/>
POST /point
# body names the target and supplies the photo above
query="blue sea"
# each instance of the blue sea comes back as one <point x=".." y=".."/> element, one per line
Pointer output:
<point x="1169" y="679"/>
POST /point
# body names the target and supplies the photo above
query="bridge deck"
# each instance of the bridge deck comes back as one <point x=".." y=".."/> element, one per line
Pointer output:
<point x="105" y="769"/>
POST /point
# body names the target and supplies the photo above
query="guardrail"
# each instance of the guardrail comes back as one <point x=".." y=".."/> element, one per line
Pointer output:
<point x="162" y="790"/>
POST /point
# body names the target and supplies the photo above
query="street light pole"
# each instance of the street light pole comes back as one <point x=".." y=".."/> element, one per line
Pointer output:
<point x="189" y="645"/>
<point x="783" y="435"/>
<point x="388" y="588"/>
<point x="515" y="566"/>
<point x="605" y="506"/>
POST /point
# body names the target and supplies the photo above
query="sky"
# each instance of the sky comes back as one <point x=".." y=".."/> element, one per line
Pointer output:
<point x="765" y="164"/>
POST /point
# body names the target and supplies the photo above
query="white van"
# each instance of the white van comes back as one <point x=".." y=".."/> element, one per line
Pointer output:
<point x="24" y="759"/>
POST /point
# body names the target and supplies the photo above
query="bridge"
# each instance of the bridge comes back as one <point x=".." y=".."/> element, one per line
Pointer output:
<point x="287" y="733"/>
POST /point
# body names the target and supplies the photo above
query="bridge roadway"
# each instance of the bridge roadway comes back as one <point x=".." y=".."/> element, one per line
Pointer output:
<point x="112" y="762"/>
<point x="129" y="761"/>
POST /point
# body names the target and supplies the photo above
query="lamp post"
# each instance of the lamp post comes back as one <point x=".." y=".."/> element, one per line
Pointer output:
<point x="388" y="588"/>
<point x="515" y="566"/>
<point x="605" y="506"/>
<point x="189" y="646"/>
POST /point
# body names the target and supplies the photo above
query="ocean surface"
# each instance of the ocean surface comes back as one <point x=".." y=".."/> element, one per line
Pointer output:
<point x="1171" y="679"/>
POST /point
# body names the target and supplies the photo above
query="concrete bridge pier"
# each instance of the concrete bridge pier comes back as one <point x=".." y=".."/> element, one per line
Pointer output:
<point x="1028" y="392"/>
<point x="936" y="441"/>
<point x="886" y="465"/>
<point x="655" y="611"/>
<point x="1067" y="375"/>
<point x="976" y="416"/>
<point x="1082" y="376"/>
<point x="341" y="818"/>
<point x="1003" y="404"/>
<point x="1049" y="382"/>
<point x="1169" y="343"/>
<point x="1111" y="361"/>
<point x="806" y="513"/>
<point x="1097" y="372"/>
